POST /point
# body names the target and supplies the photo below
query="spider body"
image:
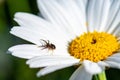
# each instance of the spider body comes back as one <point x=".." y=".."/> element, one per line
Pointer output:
<point x="48" y="45"/>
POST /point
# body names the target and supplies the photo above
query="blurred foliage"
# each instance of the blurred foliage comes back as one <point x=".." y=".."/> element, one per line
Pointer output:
<point x="12" y="68"/>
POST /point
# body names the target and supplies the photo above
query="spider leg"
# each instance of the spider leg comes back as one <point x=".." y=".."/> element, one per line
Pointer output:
<point x="43" y="48"/>
<point x="48" y="41"/>
<point x="44" y="41"/>
<point x="41" y="42"/>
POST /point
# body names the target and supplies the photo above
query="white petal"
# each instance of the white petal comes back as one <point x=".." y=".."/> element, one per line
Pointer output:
<point x="99" y="8"/>
<point x="27" y="51"/>
<point x="82" y="4"/>
<point x="104" y="14"/>
<point x="113" y="64"/>
<point x="35" y="22"/>
<point x="114" y="9"/>
<point x="60" y="51"/>
<point x="115" y="25"/>
<point x="81" y="74"/>
<point x="102" y="64"/>
<point x="27" y="34"/>
<point x="97" y="12"/>
<point x="50" y="69"/>
<point x="91" y="67"/>
<point x="90" y="15"/>
<point x="114" y="58"/>
<point x="111" y="0"/>
<point x="53" y="12"/>
<point x="117" y="31"/>
<point x="36" y="36"/>
<point x="24" y="18"/>
<point x="44" y="9"/>
<point x="39" y="25"/>
<point x="113" y="61"/>
<point x="23" y="47"/>
<point x="44" y="61"/>
<point x="77" y="14"/>
<point x="115" y="55"/>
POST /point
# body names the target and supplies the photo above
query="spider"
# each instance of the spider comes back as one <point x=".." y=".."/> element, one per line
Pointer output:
<point x="48" y="45"/>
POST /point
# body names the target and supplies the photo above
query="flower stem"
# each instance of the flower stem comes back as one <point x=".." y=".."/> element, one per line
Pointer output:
<point x="102" y="76"/>
<point x="95" y="77"/>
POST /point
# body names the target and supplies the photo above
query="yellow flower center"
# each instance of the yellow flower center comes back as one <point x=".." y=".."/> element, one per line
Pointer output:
<point x="93" y="46"/>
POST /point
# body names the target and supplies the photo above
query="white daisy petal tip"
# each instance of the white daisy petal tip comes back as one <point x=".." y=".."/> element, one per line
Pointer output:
<point x="91" y="67"/>
<point x="27" y="62"/>
<point x="18" y="14"/>
<point x="31" y="65"/>
<point x="39" y="74"/>
<point x="10" y="49"/>
<point x="8" y="52"/>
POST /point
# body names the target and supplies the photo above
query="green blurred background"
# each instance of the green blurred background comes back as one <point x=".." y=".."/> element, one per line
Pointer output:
<point x="13" y="68"/>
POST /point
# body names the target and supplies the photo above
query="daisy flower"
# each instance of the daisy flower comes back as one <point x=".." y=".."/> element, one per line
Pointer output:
<point x="70" y="32"/>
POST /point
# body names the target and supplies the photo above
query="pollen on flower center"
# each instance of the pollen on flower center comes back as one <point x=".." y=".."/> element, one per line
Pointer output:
<point x="93" y="46"/>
